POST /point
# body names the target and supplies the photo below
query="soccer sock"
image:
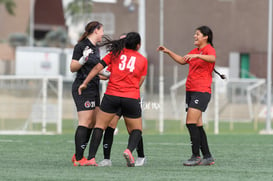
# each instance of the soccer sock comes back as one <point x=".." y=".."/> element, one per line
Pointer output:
<point x="140" y="149"/>
<point x="95" y="142"/>
<point x="204" y="143"/>
<point x="134" y="139"/>
<point x="107" y="142"/>
<point x="195" y="139"/>
<point x="82" y="135"/>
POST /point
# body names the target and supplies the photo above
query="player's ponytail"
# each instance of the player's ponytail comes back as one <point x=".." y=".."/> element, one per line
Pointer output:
<point x="89" y="29"/>
<point x="131" y="41"/>
<point x="218" y="73"/>
<point x="114" y="46"/>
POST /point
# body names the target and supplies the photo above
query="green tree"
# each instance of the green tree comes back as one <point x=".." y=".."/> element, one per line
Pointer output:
<point x="78" y="10"/>
<point x="9" y="5"/>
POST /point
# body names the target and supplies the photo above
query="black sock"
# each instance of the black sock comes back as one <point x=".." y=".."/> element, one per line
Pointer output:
<point x="204" y="143"/>
<point x="195" y="139"/>
<point x="95" y="142"/>
<point x="134" y="139"/>
<point x="82" y="136"/>
<point x="108" y="141"/>
<point x="140" y="149"/>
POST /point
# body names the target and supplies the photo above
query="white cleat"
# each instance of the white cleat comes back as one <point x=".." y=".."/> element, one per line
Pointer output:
<point x="140" y="161"/>
<point x="105" y="163"/>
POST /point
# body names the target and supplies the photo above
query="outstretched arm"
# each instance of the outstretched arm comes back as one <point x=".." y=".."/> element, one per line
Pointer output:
<point x="90" y="76"/>
<point x="207" y="58"/>
<point x="179" y="59"/>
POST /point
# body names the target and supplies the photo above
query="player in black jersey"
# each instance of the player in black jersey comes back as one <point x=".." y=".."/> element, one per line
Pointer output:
<point x="86" y="55"/>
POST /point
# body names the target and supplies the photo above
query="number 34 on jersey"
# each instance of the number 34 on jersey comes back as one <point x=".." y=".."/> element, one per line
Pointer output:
<point x="127" y="64"/>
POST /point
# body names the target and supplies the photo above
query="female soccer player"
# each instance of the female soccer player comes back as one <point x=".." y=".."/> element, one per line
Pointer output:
<point x="85" y="57"/>
<point x="201" y="62"/>
<point x="129" y="69"/>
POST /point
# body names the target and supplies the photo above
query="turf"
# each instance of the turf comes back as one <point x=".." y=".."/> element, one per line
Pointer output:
<point x="241" y="157"/>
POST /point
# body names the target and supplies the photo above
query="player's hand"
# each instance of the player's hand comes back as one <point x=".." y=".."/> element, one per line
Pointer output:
<point x="189" y="57"/>
<point x="163" y="49"/>
<point x="85" y="53"/>
<point x="81" y="88"/>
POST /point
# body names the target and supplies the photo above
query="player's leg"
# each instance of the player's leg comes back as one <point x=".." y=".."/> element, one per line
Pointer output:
<point x="141" y="159"/>
<point x="134" y="124"/>
<point x="193" y="116"/>
<point x="83" y="133"/>
<point x="109" y="106"/>
<point x="207" y="157"/>
<point x="85" y="108"/>
<point x="131" y="111"/>
<point x="103" y="120"/>
<point x="108" y="141"/>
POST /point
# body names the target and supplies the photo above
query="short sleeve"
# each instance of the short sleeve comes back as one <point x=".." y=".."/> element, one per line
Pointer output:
<point x="77" y="52"/>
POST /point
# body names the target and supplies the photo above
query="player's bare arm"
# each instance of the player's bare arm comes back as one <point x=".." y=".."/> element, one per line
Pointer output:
<point x="75" y="66"/>
<point x="90" y="76"/>
<point x="179" y="59"/>
<point x="141" y="80"/>
<point x="207" y="58"/>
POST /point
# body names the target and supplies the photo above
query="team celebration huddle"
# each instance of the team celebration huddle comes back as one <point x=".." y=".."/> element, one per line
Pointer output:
<point x="125" y="69"/>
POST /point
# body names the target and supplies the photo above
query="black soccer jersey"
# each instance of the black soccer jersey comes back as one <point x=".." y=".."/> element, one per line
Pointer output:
<point x="93" y="59"/>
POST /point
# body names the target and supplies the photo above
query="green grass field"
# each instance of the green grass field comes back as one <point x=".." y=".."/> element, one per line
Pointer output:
<point x="240" y="155"/>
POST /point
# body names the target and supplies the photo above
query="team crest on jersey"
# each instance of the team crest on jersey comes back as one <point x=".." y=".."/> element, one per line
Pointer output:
<point x="196" y="101"/>
<point x="89" y="104"/>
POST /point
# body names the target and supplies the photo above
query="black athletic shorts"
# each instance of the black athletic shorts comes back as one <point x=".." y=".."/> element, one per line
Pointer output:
<point x="129" y="107"/>
<point x="88" y="100"/>
<point x="197" y="100"/>
<point x="119" y="113"/>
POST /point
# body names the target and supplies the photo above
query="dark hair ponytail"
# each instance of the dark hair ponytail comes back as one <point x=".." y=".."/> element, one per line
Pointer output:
<point x="131" y="41"/>
<point x="89" y="29"/>
<point x="218" y="73"/>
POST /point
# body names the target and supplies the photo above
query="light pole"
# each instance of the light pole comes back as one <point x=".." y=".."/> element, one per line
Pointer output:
<point x="31" y="23"/>
<point x="161" y="69"/>
<point x="268" y="129"/>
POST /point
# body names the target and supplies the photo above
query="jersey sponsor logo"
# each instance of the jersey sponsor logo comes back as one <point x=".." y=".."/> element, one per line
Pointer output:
<point x="89" y="104"/>
<point x="196" y="101"/>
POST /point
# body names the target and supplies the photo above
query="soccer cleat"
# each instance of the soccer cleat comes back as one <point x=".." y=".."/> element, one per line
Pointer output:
<point x="73" y="158"/>
<point x="105" y="163"/>
<point x="193" y="161"/>
<point x="129" y="158"/>
<point x="91" y="162"/>
<point x="80" y="162"/>
<point x="140" y="161"/>
<point x="207" y="161"/>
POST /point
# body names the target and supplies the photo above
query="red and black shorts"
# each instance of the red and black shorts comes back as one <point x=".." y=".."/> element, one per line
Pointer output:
<point x="129" y="107"/>
<point x="197" y="100"/>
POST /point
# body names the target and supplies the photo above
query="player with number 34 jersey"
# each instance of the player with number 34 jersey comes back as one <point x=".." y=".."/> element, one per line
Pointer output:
<point x="126" y="71"/>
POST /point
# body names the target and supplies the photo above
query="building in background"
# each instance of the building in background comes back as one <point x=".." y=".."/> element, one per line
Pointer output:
<point x="239" y="26"/>
<point x="48" y="16"/>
